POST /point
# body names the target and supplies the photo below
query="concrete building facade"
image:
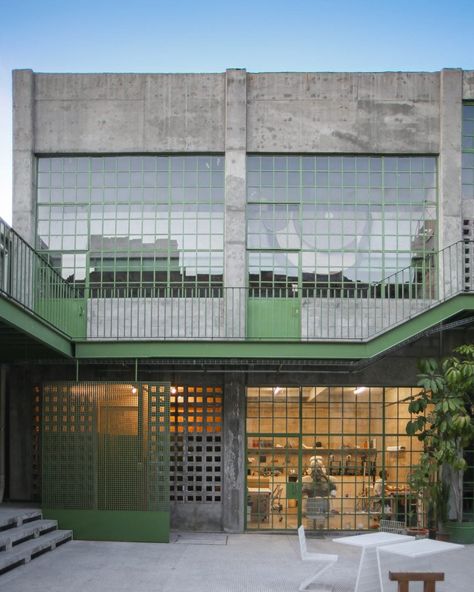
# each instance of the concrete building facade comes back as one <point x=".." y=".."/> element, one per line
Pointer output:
<point x="279" y="248"/>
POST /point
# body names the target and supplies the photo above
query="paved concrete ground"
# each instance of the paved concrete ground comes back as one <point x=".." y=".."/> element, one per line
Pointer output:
<point x="207" y="563"/>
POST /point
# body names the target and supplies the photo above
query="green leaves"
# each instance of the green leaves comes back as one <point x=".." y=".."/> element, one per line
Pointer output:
<point x="440" y="419"/>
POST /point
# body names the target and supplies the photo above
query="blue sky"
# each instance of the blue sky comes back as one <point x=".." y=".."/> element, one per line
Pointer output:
<point x="210" y="36"/>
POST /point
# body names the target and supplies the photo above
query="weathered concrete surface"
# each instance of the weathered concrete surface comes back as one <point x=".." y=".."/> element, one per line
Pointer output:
<point x="468" y="85"/>
<point x="156" y="318"/>
<point x="235" y="179"/>
<point x="349" y="318"/>
<point x="391" y="112"/>
<point x="236" y="113"/>
<point x="24" y="176"/>
<point x="237" y="563"/>
<point x="234" y="453"/>
<point x="449" y="166"/>
<point x="113" y="113"/>
<point x="196" y="516"/>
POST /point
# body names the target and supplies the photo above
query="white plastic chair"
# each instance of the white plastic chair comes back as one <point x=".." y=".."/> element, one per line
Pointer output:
<point x="325" y="559"/>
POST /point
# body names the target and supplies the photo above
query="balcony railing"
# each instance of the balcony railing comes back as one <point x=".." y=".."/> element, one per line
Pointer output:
<point x="27" y="279"/>
<point x="179" y="313"/>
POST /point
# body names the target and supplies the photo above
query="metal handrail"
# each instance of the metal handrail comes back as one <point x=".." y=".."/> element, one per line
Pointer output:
<point x="357" y="312"/>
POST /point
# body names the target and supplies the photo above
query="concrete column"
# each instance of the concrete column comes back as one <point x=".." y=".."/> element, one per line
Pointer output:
<point x="24" y="178"/>
<point x="3" y="423"/>
<point x="450" y="157"/>
<point x="235" y="199"/>
<point x="20" y="448"/>
<point x="450" y="201"/>
<point x="233" y="502"/>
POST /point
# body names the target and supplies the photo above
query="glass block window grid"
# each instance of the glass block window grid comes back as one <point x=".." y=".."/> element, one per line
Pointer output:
<point x="353" y="433"/>
<point x="350" y="221"/>
<point x="196" y="444"/>
<point x="468" y="151"/>
<point x="105" y="446"/>
<point x="133" y="221"/>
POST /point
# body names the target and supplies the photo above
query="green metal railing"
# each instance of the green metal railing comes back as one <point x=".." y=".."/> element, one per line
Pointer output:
<point x="294" y="313"/>
<point x="30" y="281"/>
<point x="357" y="312"/>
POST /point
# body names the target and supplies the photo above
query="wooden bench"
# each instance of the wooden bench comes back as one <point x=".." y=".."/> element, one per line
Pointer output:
<point x="404" y="579"/>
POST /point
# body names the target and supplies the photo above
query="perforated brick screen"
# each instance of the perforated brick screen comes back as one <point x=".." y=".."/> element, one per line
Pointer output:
<point x="196" y="444"/>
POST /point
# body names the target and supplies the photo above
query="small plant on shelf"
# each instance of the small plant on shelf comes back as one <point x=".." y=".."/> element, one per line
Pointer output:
<point x="442" y="420"/>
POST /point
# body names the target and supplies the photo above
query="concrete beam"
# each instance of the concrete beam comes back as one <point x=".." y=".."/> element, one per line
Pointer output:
<point x="142" y="113"/>
<point x="357" y="113"/>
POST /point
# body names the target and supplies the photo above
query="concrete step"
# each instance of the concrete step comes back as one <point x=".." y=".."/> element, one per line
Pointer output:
<point x="25" y="552"/>
<point x="30" y="530"/>
<point x="13" y="517"/>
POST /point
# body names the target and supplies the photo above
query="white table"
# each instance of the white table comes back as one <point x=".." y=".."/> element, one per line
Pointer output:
<point x="416" y="549"/>
<point x="368" y="574"/>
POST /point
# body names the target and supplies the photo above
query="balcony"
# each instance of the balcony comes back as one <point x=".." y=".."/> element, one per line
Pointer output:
<point x="175" y="313"/>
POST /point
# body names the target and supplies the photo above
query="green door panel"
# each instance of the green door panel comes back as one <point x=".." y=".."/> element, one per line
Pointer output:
<point x="67" y="314"/>
<point x="273" y="318"/>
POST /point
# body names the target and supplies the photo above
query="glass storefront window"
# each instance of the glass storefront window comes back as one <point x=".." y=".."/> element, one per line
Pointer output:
<point x="334" y="458"/>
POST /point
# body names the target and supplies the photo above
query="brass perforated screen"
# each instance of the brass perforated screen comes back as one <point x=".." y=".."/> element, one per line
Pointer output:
<point x="105" y="446"/>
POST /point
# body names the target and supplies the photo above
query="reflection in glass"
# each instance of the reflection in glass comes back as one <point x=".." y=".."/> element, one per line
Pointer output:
<point x="142" y="219"/>
<point x="364" y="218"/>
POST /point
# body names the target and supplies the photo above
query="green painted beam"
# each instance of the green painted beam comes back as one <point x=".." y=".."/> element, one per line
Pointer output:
<point x="34" y="328"/>
<point x="272" y="349"/>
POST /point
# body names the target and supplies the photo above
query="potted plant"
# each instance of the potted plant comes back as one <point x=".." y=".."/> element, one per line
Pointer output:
<point x="442" y="420"/>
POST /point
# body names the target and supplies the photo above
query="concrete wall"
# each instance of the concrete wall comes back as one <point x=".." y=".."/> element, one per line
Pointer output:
<point x="344" y="112"/>
<point x="348" y="318"/>
<point x="129" y="113"/>
<point x="156" y="318"/>
<point x="224" y="318"/>
<point x="468" y="85"/>
<point x="238" y="112"/>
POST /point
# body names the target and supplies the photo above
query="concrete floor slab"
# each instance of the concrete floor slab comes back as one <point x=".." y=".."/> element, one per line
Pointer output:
<point x="249" y="562"/>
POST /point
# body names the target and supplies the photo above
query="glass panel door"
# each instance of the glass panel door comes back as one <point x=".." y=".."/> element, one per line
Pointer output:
<point x="331" y="458"/>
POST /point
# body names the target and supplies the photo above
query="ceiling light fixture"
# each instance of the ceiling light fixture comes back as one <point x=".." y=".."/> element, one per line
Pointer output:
<point x="359" y="390"/>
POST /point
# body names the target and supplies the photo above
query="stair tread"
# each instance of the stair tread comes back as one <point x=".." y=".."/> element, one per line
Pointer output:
<point x="26" y="549"/>
<point x="9" y="518"/>
<point x="26" y="530"/>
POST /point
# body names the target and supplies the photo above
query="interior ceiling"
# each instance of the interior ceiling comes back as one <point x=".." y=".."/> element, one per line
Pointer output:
<point x="310" y="393"/>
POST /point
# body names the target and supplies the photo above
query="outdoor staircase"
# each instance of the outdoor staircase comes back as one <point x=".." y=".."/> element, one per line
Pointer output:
<point x="24" y="535"/>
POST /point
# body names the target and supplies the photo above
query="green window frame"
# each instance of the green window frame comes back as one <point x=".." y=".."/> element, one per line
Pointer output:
<point x="468" y="150"/>
<point x="353" y="220"/>
<point x="133" y="225"/>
